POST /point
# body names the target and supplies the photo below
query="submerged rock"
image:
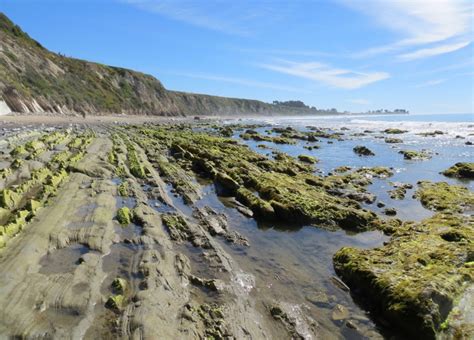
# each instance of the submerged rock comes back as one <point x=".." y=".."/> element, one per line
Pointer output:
<point x="339" y="312"/>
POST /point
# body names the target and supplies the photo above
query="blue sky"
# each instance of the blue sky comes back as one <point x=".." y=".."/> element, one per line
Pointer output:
<point x="352" y="55"/>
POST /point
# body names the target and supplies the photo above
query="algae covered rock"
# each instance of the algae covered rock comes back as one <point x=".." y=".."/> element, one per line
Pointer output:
<point x="390" y="211"/>
<point x="415" y="155"/>
<point x="440" y="196"/>
<point x="9" y="199"/>
<point x="124" y="216"/>
<point x="393" y="140"/>
<point x="431" y="133"/>
<point x="123" y="189"/>
<point x="115" y="302"/>
<point x="307" y="159"/>
<point x="460" y="170"/>
<point x="363" y="151"/>
<point x="399" y="190"/>
<point x="226" y="181"/>
<point x="413" y="281"/>
<point x="177" y="226"/>
<point x="33" y="206"/>
<point x="119" y="285"/>
<point x="394" y="131"/>
<point x="258" y="206"/>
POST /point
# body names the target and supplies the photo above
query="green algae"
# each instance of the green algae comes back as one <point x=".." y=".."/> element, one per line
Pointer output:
<point x="413" y="280"/>
<point x="4" y="173"/>
<point x="20" y="203"/>
<point x="33" y="206"/>
<point x="119" y="286"/>
<point x="440" y="196"/>
<point x="123" y="189"/>
<point x="124" y="216"/>
<point x="177" y="226"/>
<point x="19" y="151"/>
<point x="260" y="207"/>
<point x="9" y="199"/>
<point x="35" y="146"/>
<point x="54" y="138"/>
<point x="17" y="163"/>
<point x="134" y="163"/>
<point x="115" y="302"/>
<point x="260" y="138"/>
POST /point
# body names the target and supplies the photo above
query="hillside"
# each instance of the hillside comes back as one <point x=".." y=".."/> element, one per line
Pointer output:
<point x="35" y="80"/>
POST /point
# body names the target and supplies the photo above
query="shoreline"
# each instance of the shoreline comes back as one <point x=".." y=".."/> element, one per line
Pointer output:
<point x="140" y="119"/>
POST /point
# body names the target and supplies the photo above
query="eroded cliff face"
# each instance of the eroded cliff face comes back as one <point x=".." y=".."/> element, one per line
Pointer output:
<point x="35" y="80"/>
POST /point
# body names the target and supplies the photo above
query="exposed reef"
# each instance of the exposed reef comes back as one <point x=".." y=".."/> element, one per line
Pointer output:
<point x="415" y="155"/>
<point x="363" y="151"/>
<point x="460" y="170"/>
<point x="416" y="279"/>
<point x="282" y="189"/>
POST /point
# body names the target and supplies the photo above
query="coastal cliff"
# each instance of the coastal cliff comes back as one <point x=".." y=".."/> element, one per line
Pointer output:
<point x="36" y="80"/>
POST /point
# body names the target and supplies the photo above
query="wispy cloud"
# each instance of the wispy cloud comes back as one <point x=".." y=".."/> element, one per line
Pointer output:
<point x="286" y="52"/>
<point x="428" y="52"/>
<point x="336" y="77"/>
<point x="468" y="64"/>
<point x="447" y="24"/>
<point x="359" y="101"/>
<point x="233" y="18"/>
<point x="241" y="81"/>
<point x="431" y="83"/>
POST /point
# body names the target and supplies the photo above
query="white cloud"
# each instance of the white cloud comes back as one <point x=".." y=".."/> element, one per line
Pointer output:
<point x="419" y="22"/>
<point x="432" y="51"/>
<point x="241" y="81"/>
<point x="431" y="83"/>
<point x="340" y="78"/>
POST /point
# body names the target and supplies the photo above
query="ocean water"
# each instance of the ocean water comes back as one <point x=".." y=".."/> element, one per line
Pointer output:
<point x="429" y="118"/>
